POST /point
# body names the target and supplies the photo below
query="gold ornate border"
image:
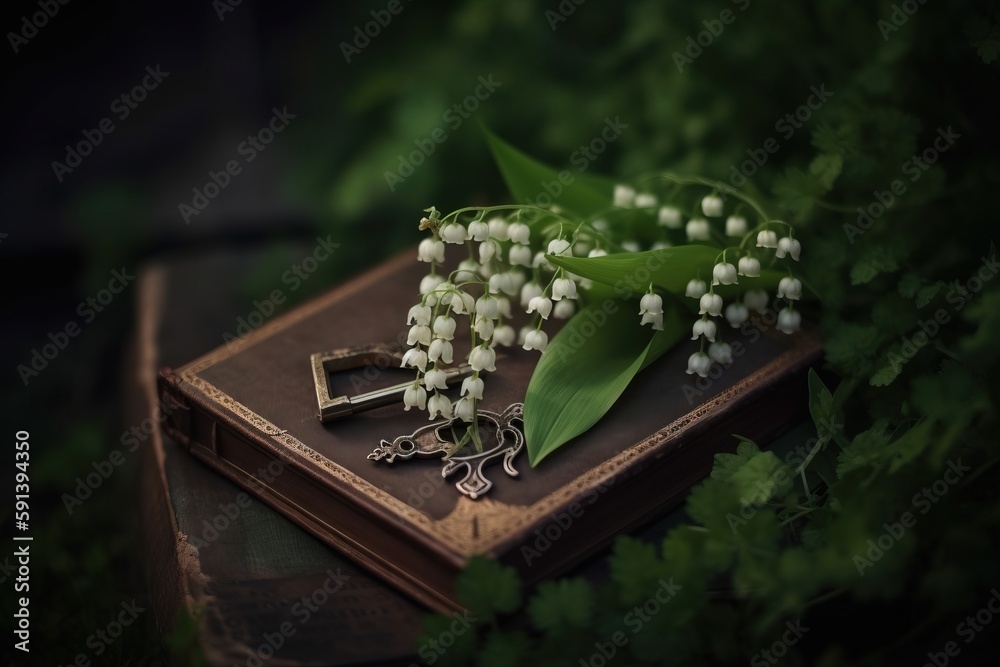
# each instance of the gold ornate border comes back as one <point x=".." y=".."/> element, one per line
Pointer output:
<point x="496" y="521"/>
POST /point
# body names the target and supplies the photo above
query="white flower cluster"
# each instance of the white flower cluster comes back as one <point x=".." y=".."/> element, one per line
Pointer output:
<point x="497" y="281"/>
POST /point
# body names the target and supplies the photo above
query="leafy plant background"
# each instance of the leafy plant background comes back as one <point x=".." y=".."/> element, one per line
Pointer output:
<point x="902" y="420"/>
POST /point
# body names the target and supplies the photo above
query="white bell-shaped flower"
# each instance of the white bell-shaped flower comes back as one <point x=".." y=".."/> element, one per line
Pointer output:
<point x="500" y="282"/>
<point x="541" y="305"/>
<point x="483" y="358"/>
<point x="695" y="288"/>
<point x="704" y="327"/>
<point x="737" y="314"/>
<point x="484" y="327"/>
<point x="505" y="335"/>
<point x="756" y="300"/>
<point x="712" y="206"/>
<point x="435" y="378"/>
<point x="563" y="310"/>
<point x="414" y="397"/>
<point x="519" y="255"/>
<point x="444" y="327"/>
<point x="530" y="291"/>
<point x="503" y="307"/>
<point x="462" y="303"/>
<point x="430" y="282"/>
<point x="790" y="288"/>
<point x="563" y="288"/>
<point x="499" y="229"/>
<point x="788" y="246"/>
<point x="440" y="350"/>
<point x="479" y="230"/>
<point x="419" y="333"/>
<point x="454" y="233"/>
<point x="487" y="250"/>
<point x="539" y="262"/>
<point x="699" y="363"/>
<point x="644" y="200"/>
<point x="631" y="246"/>
<point x="488" y="306"/>
<point x="430" y="250"/>
<point x="661" y="245"/>
<point x="736" y="225"/>
<point x="749" y="267"/>
<point x="419" y="314"/>
<point x="669" y="217"/>
<point x="789" y="321"/>
<point x="467" y="270"/>
<point x="465" y="409"/>
<point x="651" y="303"/>
<point x="439" y="405"/>
<point x="519" y="233"/>
<point x="720" y="353"/>
<point x="415" y="358"/>
<point x="472" y="387"/>
<point x="559" y="247"/>
<point x="698" y="229"/>
<point x="767" y="239"/>
<point x="597" y="252"/>
<point x="536" y="339"/>
<point x="656" y="319"/>
<point x="623" y="196"/>
<point x="724" y="273"/>
<point x="710" y="303"/>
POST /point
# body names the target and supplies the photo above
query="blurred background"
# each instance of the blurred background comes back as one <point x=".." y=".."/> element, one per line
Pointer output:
<point x="119" y="116"/>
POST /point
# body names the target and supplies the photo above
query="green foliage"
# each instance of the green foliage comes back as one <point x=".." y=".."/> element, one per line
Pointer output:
<point x="489" y="589"/>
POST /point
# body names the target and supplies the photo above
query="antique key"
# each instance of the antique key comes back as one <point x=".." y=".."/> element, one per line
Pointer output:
<point x="380" y="355"/>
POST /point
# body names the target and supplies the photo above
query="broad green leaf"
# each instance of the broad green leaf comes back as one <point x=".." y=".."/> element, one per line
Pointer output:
<point x="670" y="269"/>
<point x="586" y="368"/>
<point x="527" y="179"/>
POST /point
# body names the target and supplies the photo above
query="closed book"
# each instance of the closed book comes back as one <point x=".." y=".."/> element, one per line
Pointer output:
<point x="249" y="409"/>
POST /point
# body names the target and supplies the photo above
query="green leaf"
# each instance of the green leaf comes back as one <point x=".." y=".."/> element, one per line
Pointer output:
<point x="727" y="464"/>
<point x="877" y="261"/>
<point x="826" y="168"/>
<point x="634" y="567"/>
<point x="822" y="408"/>
<point x="488" y="588"/>
<point x="586" y="367"/>
<point x="927" y="294"/>
<point x="867" y="448"/>
<point x="583" y="194"/>
<point x="798" y="190"/>
<point x="560" y="605"/>
<point x="884" y="376"/>
<point x="760" y="479"/>
<point x="668" y="269"/>
<point x="505" y="649"/>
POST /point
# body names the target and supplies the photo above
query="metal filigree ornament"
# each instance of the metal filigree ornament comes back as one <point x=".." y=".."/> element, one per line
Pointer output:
<point x="502" y="438"/>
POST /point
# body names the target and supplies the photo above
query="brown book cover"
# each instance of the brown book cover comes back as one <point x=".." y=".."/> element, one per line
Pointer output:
<point x="251" y="404"/>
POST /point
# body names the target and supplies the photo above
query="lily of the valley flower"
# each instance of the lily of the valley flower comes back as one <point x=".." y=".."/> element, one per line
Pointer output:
<point x="419" y="333"/>
<point x="472" y="387"/>
<point x="720" y="353"/>
<point x="536" y="339"/>
<point x="444" y="327"/>
<point x="644" y="200"/>
<point x="712" y="206"/>
<point x="487" y="250"/>
<point x="767" y="239"/>
<point x="724" y="273"/>
<point x="479" y="230"/>
<point x="736" y="225"/>
<point x="484" y="327"/>
<point x="699" y="363"/>
<point x="695" y="288"/>
<point x="749" y="267"/>
<point x="430" y="250"/>
<point x="502" y="282"/>
<point x="419" y="314"/>
<point x="415" y="358"/>
<point x="541" y="305"/>
<point x="736" y="314"/>
<point x="439" y="405"/>
<point x="651" y="309"/>
<point x="698" y="229"/>
<point x="465" y="409"/>
<point x="454" y="233"/>
<point x="499" y="229"/>
<point x="429" y="283"/>
<point x="483" y="358"/>
<point x="564" y="309"/>
<point x="528" y="292"/>
<point x="789" y="246"/>
<point x="756" y="300"/>
<point x="414" y="397"/>
<point x="559" y="247"/>
<point x="623" y="196"/>
<point x="563" y="288"/>
<point x="711" y="304"/>
<point x="488" y="306"/>
<point x="519" y="255"/>
<point x="504" y="335"/>
<point x="435" y="378"/>
<point x="440" y="350"/>
<point x="669" y="217"/>
<point x="467" y="270"/>
<point x="462" y="303"/>
<point x="790" y="288"/>
<point x="704" y="327"/>
<point x="519" y="233"/>
<point x="789" y="320"/>
<point x="597" y="252"/>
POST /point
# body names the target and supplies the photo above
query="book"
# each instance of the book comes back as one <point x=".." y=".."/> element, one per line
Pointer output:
<point x="249" y="410"/>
